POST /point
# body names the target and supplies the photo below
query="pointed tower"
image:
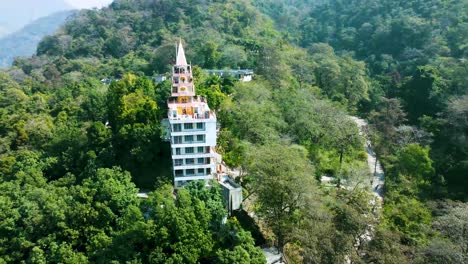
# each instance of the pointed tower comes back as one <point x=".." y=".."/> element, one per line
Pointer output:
<point x="181" y="55"/>
<point x="192" y="128"/>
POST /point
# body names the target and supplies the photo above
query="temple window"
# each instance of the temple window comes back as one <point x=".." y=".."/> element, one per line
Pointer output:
<point x="188" y="126"/>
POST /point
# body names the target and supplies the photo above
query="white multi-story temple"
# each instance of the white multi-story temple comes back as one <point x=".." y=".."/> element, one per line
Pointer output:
<point x="191" y="129"/>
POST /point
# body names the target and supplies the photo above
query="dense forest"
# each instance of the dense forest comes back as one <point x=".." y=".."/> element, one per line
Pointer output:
<point x="74" y="151"/>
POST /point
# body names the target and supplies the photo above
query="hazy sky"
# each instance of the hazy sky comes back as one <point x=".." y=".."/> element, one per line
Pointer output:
<point x="88" y="3"/>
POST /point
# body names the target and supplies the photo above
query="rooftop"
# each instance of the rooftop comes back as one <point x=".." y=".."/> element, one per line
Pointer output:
<point x="228" y="183"/>
<point x="189" y="108"/>
<point x="231" y="71"/>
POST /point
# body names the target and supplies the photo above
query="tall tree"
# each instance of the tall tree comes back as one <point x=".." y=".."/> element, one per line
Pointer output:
<point x="283" y="179"/>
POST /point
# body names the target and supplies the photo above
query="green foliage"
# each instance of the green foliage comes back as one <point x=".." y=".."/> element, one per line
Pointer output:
<point x="253" y="115"/>
<point x="331" y="137"/>
<point x="385" y="248"/>
<point x="282" y="181"/>
<point x="136" y="133"/>
<point x="407" y="215"/>
<point x="213" y="92"/>
<point x="240" y="246"/>
<point x="414" y="54"/>
<point x="102" y="220"/>
<point x="441" y="251"/>
<point x="73" y="150"/>
<point x="424" y="93"/>
<point x="415" y="161"/>
<point x="341" y="78"/>
<point x="232" y="149"/>
<point x="180" y="227"/>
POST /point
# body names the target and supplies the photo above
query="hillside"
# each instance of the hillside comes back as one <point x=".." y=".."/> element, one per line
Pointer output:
<point x="24" y="42"/>
<point x="74" y="151"/>
<point x="16" y="14"/>
<point x="415" y="53"/>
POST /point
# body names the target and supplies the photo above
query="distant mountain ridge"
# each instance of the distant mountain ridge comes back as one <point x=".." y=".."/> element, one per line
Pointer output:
<point x="18" y="13"/>
<point x="24" y="42"/>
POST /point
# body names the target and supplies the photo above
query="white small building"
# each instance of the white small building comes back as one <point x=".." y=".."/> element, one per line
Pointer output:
<point x="241" y="75"/>
<point x="232" y="193"/>
<point x="158" y="78"/>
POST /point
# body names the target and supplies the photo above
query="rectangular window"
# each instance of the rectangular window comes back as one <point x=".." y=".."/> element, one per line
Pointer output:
<point x="190" y="171"/>
<point x="201" y="171"/>
<point x="189" y="150"/>
<point x="179" y="173"/>
<point x="188" y="139"/>
<point x="177" y="140"/>
<point x="178" y="162"/>
<point x="176" y="127"/>
<point x="189" y="161"/>
<point x="199" y="125"/>
<point x="208" y="171"/>
<point x="201" y="160"/>
<point x="200" y="149"/>
<point x="200" y="138"/>
<point x="188" y="126"/>
<point x="177" y="151"/>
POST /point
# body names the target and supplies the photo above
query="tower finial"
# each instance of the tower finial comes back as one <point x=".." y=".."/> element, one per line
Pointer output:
<point x="181" y="60"/>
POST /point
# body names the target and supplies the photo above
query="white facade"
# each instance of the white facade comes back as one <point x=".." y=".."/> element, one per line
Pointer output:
<point x="193" y="146"/>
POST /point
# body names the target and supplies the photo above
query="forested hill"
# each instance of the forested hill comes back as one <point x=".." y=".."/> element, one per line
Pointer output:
<point x="24" y="42"/>
<point x="143" y="33"/>
<point x="415" y="53"/>
<point x="16" y="14"/>
<point x="73" y="150"/>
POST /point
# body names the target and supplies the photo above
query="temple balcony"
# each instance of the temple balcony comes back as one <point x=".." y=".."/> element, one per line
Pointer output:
<point x="181" y="118"/>
<point x="193" y="166"/>
<point x="182" y="80"/>
<point x="179" y="70"/>
<point x="188" y="133"/>
<point x="179" y="179"/>
<point x="188" y="100"/>
<point x="195" y="156"/>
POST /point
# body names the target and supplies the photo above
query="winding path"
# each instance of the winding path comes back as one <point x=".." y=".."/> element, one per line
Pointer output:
<point x="376" y="184"/>
<point x="378" y="178"/>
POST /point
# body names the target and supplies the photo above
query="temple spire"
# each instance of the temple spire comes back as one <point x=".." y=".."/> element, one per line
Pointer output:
<point x="181" y="55"/>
